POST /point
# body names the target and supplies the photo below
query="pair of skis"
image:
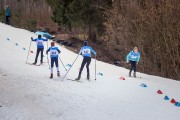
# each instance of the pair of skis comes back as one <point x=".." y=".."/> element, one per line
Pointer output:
<point x="134" y="77"/>
<point x="35" y="64"/>
<point x="77" y="80"/>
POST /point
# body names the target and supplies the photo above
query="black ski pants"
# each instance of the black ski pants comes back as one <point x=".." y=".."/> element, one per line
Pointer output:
<point x="133" y="66"/>
<point x="7" y="20"/>
<point x="37" y="54"/>
<point x="54" y="60"/>
<point x="86" y="61"/>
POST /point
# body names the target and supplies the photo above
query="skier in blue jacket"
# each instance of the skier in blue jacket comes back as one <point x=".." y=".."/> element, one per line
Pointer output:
<point x="40" y="47"/>
<point x="54" y="52"/>
<point x="8" y="14"/>
<point x="86" y="53"/>
<point x="133" y="58"/>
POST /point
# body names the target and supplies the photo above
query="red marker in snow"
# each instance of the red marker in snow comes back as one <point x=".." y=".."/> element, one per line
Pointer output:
<point x="122" y="78"/>
<point x="159" y="92"/>
<point x="173" y="101"/>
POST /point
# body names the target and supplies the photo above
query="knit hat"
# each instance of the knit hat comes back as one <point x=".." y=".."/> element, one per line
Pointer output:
<point x="52" y="43"/>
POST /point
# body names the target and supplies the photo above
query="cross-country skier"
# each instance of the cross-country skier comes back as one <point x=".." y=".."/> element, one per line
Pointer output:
<point x="54" y="52"/>
<point x="133" y="58"/>
<point x="40" y="47"/>
<point x="86" y="53"/>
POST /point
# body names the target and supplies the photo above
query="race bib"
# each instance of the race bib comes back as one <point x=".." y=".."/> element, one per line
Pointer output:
<point x="134" y="57"/>
<point x="54" y="52"/>
<point x="39" y="42"/>
<point x="86" y="51"/>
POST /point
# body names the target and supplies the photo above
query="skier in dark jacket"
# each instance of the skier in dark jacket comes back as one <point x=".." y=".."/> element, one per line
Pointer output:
<point x="8" y="15"/>
<point x="86" y="53"/>
<point x="40" y="47"/>
<point x="54" y="52"/>
<point x="133" y="58"/>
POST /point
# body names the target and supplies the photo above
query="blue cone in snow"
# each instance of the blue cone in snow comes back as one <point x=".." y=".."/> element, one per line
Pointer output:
<point x="166" y="97"/>
<point x="177" y="104"/>
<point x="7" y="38"/>
<point x="24" y="48"/>
<point x="143" y="85"/>
<point x="69" y="65"/>
<point x="101" y="74"/>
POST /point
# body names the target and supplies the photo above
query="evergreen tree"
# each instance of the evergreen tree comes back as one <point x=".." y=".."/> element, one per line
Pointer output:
<point x="84" y="14"/>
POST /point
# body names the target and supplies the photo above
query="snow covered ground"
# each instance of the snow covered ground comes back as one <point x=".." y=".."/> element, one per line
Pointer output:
<point x="27" y="93"/>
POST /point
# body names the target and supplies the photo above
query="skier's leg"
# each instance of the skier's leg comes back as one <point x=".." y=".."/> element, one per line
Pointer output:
<point x="134" y="69"/>
<point x="82" y="66"/>
<point x="57" y="67"/>
<point x="87" y="66"/>
<point x="37" y="54"/>
<point x="52" y="64"/>
<point x="42" y="50"/>
<point x="131" y="62"/>
<point x="6" y="20"/>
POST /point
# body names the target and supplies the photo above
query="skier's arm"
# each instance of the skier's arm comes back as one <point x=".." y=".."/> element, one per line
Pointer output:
<point x="58" y="51"/>
<point x="93" y="51"/>
<point x="47" y="51"/>
<point x="80" y="51"/>
<point x="33" y="39"/>
<point x="127" y="57"/>
<point x="45" y="39"/>
<point x="9" y="12"/>
<point x="138" y="58"/>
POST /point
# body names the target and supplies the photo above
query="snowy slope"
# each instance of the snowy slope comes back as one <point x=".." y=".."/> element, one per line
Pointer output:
<point x="27" y="93"/>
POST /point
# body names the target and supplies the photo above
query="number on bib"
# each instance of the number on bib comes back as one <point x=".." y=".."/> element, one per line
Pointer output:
<point x="54" y="52"/>
<point x="39" y="42"/>
<point x="86" y="51"/>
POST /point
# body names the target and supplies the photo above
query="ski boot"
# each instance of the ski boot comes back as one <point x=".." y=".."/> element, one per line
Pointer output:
<point x="88" y="77"/>
<point x="134" y="74"/>
<point x="58" y="73"/>
<point x="78" y="78"/>
<point x="51" y="76"/>
<point x="34" y="63"/>
<point x="129" y="74"/>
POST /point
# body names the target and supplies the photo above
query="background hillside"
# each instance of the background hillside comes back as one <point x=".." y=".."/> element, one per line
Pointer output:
<point x="113" y="27"/>
<point x="29" y="14"/>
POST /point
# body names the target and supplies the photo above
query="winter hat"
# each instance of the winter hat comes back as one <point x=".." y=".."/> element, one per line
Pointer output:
<point x="52" y="43"/>
<point x="85" y="43"/>
<point x="39" y="36"/>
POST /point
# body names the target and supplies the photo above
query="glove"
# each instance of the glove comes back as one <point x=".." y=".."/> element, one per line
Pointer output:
<point x="95" y="53"/>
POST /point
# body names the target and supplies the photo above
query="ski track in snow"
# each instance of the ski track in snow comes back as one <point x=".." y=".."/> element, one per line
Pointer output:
<point x="27" y="93"/>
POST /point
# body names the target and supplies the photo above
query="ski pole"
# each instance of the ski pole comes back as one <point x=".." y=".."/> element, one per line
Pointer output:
<point x="62" y="64"/>
<point x="47" y="56"/>
<point x="71" y="66"/>
<point x="28" y="52"/>
<point x="95" y="67"/>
